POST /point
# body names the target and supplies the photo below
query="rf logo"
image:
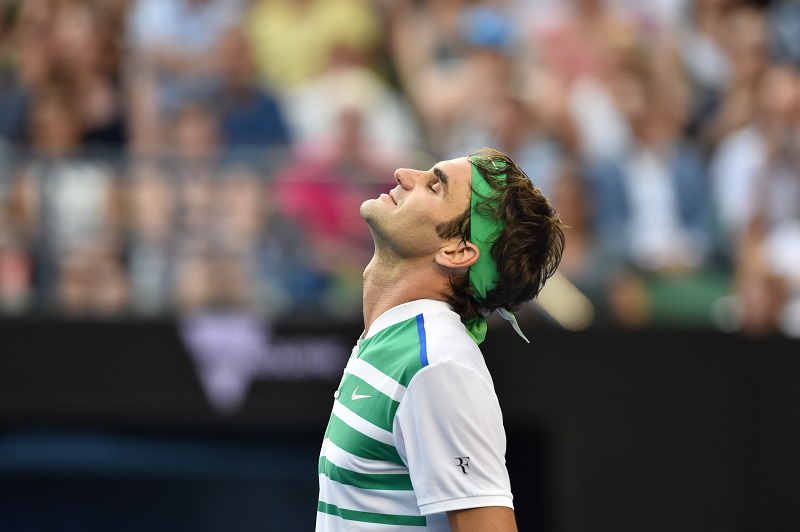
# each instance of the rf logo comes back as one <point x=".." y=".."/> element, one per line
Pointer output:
<point x="463" y="463"/>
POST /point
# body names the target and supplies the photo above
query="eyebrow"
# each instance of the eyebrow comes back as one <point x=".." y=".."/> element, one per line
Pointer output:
<point x="442" y="177"/>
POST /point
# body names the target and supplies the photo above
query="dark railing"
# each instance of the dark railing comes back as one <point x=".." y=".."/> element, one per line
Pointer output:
<point x="668" y="429"/>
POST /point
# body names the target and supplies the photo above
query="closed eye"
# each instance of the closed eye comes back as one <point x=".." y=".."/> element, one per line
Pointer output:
<point x="441" y="180"/>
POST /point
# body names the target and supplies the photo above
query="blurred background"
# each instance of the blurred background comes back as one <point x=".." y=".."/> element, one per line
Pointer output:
<point x="181" y="250"/>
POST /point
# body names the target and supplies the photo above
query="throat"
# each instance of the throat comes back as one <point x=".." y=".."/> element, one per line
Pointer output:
<point x="389" y="285"/>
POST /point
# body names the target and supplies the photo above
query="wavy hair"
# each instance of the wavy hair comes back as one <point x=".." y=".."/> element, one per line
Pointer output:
<point x="527" y="252"/>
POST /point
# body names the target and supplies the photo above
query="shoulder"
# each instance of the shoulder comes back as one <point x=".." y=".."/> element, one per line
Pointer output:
<point x="448" y="342"/>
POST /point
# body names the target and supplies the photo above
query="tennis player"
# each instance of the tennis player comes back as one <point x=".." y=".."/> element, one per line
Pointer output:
<point x="416" y="440"/>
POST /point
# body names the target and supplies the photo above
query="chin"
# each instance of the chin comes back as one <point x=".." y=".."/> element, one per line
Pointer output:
<point x="366" y="208"/>
<point x="369" y="208"/>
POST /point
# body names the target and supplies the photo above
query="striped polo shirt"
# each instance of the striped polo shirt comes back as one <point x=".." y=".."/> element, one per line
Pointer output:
<point x="415" y="430"/>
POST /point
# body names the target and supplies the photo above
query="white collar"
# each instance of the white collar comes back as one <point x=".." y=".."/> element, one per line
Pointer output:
<point x="406" y="311"/>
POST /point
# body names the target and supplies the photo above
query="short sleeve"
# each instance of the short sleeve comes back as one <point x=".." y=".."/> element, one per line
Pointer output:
<point x="449" y="430"/>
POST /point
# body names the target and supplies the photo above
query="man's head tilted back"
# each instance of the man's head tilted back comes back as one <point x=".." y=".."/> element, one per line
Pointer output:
<point x="501" y="236"/>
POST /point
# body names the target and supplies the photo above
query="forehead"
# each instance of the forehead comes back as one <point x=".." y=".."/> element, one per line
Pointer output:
<point x="458" y="171"/>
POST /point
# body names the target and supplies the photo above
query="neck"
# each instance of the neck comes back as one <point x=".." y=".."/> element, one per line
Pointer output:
<point x="388" y="283"/>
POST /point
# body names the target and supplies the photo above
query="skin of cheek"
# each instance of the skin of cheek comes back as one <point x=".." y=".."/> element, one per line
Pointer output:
<point x="410" y="232"/>
<point x="415" y="229"/>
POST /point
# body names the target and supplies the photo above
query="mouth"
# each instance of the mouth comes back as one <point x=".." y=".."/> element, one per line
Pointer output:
<point x="391" y="195"/>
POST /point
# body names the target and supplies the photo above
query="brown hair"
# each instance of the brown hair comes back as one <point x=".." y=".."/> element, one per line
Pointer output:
<point x="527" y="251"/>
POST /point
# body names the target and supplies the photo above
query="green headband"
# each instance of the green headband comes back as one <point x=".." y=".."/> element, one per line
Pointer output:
<point x="485" y="229"/>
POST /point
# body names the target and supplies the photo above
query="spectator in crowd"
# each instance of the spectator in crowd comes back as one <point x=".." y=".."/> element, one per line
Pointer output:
<point x="212" y="280"/>
<point x="456" y="63"/>
<point x="92" y="283"/>
<point x="744" y="155"/>
<point x="767" y="253"/>
<point x="7" y="45"/>
<point x="428" y="48"/>
<point x="584" y="40"/>
<point x="228" y="231"/>
<point x="242" y="117"/>
<point x="170" y="60"/>
<point x="759" y="297"/>
<point x="576" y="51"/>
<point x="783" y="18"/>
<point x="618" y="297"/>
<point x="746" y="46"/>
<point x="653" y="205"/>
<point x="516" y="127"/>
<point x="151" y="205"/>
<point x="321" y="190"/>
<point x="221" y="226"/>
<point x="241" y="210"/>
<point x="293" y="39"/>
<point x="16" y="275"/>
<point x="27" y="66"/>
<point x="289" y="276"/>
<point x="601" y="128"/>
<point x="193" y="163"/>
<point x="659" y="18"/>
<point x="86" y="58"/>
<point x="251" y="115"/>
<point x="701" y="44"/>
<point x="73" y="45"/>
<point x="65" y="202"/>
<point x="70" y="85"/>
<point x="314" y="108"/>
<point x="655" y="194"/>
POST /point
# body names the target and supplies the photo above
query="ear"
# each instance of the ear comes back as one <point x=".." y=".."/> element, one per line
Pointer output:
<point x="458" y="255"/>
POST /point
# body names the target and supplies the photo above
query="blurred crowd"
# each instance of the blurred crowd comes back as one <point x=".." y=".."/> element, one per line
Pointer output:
<point x="160" y="157"/>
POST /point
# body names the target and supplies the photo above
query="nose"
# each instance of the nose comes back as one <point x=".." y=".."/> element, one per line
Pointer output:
<point x="405" y="178"/>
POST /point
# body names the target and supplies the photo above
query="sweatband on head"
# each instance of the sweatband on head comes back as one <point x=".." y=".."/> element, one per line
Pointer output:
<point x="485" y="229"/>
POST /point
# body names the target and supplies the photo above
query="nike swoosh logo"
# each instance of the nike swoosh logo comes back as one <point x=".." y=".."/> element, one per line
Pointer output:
<point x="356" y="396"/>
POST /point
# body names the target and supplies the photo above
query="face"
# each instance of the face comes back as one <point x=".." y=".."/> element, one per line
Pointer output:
<point x="405" y="219"/>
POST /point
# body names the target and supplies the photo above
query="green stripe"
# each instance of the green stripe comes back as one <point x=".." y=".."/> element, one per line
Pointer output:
<point x="369" y="517"/>
<point x="370" y="481"/>
<point x="352" y="441"/>
<point x="394" y="351"/>
<point x="378" y="409"/>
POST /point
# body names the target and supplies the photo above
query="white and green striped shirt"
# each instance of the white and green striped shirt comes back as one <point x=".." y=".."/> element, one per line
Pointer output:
<point x="416" y="428"/>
